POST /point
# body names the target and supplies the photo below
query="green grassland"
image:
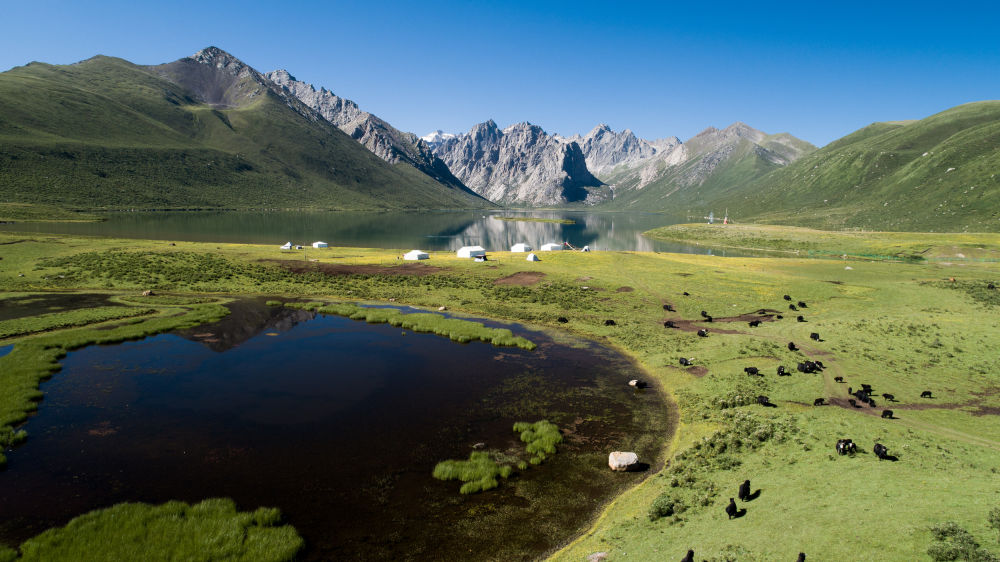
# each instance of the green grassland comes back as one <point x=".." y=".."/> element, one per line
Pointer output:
<point x="789" y="240"/>
<point x="901" y="326"/>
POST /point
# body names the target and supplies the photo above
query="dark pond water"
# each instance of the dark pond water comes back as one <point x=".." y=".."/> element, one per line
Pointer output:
<point x="5" y="349"/>
<point x="427" y="230"/>
<point x="338" y="423"/>
<point x="21" y="306"/>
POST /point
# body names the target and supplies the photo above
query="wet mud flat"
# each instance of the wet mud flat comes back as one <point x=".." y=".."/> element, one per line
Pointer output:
<point x="339" y="424"/>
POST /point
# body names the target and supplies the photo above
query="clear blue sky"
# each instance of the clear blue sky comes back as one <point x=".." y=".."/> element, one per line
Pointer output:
<point x="659" y="68"/>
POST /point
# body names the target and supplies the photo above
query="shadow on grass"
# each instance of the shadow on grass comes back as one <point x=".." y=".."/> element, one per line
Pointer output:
<point x="753" y="496"/>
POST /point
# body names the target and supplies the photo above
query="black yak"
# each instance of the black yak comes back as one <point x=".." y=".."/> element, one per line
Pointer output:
<point x="889" y="397"/>
<point x="792" y="307"/>
<point x="814" y="336"/>
<point x="887" y="414"/>
<point x="685" y="361"/>
<point x="881" y="451"/>
<point x="819" y="402"/>
<point x="703" y="333"/>
<point x="926" y="394"/>
<point x="791" y="346"/>
<point x="562" y="320"/>
<point x="750" y="370"/>
<point x="800" y="318"/>
<point x="754" y="323"/>
<point x="669" y="324"/>
<point x="744" y="491"/>
<point x="787" y="298"/>
<point x="838" y="379"/>
<point x="731" y="508"/>
<point x="763" y="400"/>
<point x="609" y="322"/>
<point x="802" y="305"/>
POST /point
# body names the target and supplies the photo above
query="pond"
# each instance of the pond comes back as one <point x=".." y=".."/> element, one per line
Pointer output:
<point x="339" y="424"/>
<point x="426" y="230"/>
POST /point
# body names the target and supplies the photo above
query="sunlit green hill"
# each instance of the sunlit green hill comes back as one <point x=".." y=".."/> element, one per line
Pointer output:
<point x="105" y="133"/>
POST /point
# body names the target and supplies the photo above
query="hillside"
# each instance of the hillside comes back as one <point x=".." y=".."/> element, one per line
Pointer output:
<point x="690" y="175"/>
<point x="936" y="174"/>
<point x="202" y="132"/>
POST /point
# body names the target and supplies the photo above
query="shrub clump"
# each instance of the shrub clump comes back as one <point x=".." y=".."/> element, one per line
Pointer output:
<point x="665" y="505"/>
<point x="541" y="438"/>
<point x="479" y="473"/>
<point x="952" y="542"/>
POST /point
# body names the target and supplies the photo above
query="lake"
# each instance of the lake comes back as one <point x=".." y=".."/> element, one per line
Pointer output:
<point x="339" y="424"/>
<point x="426" y="230"/>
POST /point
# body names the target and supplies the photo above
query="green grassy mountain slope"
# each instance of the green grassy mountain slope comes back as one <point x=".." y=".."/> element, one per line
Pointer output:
<point x="941" y="173"/>
<point x="106" y="133"/>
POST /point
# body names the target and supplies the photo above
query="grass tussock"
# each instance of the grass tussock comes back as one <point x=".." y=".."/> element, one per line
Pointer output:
<point x="59" y="320"/>
<point x="479" y="473"/>
<point x="210" y="530"/>
<point x="540" y="438"/>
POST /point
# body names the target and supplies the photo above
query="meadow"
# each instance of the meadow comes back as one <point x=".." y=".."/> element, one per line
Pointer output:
<point x="903" y="326"/>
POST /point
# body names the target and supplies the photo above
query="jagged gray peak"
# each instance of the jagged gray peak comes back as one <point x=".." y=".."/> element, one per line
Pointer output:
<point x="521" y="165"/>
<point x="605" y="149"/>
<point x="378" y="136"/>
<point x="695" y="161"/>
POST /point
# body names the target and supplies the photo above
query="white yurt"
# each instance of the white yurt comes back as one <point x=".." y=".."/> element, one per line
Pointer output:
<point x="471" y="252"/>
<point x="521" y="247"/>
<point x="551" y="247"/>
<point x="287" y="246"/>
<point x="416" y="255"/>
<point x="320" y="245"/>
<point x="532" y="257"/>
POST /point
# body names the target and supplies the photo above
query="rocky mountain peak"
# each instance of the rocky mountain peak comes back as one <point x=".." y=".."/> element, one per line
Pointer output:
<point x="378" y="136"/>
<point x="214" y="56"/>
<point x="521" y="164"/>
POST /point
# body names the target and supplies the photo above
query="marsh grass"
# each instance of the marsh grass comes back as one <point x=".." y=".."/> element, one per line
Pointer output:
<point x="540" y="438"/>
<point x="210" y="530"/>
<point x="479" y="473"/>
<point x="58" y="320"/>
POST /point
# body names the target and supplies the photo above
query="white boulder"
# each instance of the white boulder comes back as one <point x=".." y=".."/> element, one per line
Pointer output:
<point x="622" y="461"/>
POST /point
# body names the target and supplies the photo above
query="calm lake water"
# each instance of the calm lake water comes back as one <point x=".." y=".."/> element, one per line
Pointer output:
<point x="339" y="424"/>
<point x="426" y="230"/>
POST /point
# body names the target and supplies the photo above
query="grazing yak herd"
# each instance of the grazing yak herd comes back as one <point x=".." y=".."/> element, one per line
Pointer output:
<point x="843" y="446"/>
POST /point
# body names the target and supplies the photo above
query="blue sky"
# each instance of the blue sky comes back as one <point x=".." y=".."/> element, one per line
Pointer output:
<point x="658" y="68"/>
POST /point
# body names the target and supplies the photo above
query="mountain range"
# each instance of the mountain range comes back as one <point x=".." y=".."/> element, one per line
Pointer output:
<point x="209" y="131"/>
<point x="205" y="131"/>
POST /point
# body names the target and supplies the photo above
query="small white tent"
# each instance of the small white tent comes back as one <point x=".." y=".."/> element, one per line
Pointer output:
<point x="520" y="248"/>
<point x="551" y="247"/>
<point x="287" y="246"/>
<point x="320" y="245"/>
<point x="415" y="255"/>
<point x="471" y="252"/>
<point x="533" y="257"/>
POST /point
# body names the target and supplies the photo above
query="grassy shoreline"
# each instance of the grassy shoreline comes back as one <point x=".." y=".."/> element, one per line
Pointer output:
<point x="905" y="326"/>
<point x="802" y="242"/>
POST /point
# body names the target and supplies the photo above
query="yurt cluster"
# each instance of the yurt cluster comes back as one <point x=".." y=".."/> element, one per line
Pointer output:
<point x="477" y="253"/>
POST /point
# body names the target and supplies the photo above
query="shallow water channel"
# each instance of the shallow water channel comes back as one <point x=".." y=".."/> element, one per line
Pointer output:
<point x="339" y="424"/>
